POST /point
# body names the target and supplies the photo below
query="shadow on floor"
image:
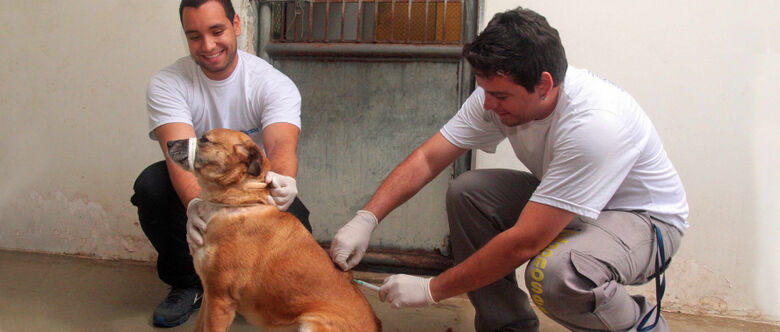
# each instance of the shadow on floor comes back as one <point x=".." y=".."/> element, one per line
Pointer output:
<point x="40" y="292"/>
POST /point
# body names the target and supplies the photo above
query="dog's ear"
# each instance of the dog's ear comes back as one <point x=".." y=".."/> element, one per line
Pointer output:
<point x="254" y="158"/>
<point x="255" y="162"/>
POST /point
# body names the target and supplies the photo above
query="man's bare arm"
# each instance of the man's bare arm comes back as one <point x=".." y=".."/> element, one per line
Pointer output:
<point x="184" y="182"/>
<point x="419" y="168"/>
<point x="281" y="143"/>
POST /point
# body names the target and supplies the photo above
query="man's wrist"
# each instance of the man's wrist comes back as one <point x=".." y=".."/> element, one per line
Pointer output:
<point x="429" y="296"/>
<point x="193" y="201"/>
<point x="369" y="217"/>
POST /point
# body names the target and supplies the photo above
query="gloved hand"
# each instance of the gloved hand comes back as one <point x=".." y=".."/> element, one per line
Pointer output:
<point x="283" y="190"/>
<point x="351" y="241"/>
<point x="403" y="290"/>
<point x="195" y="224"/>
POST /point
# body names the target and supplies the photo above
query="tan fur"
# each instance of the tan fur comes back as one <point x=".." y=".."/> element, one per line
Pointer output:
<point x="258" y="260"/>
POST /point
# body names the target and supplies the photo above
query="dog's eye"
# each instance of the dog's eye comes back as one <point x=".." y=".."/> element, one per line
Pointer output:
<point x="203" y="139"/>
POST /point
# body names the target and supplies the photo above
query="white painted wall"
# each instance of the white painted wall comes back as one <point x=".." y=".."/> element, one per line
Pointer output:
<point x="706" y="73"/>
<point x="73" y="81"/>
<point x="72" y="111"/>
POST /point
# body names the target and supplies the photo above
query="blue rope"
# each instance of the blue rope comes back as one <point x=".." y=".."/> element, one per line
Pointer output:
<point x="660" y="282"/>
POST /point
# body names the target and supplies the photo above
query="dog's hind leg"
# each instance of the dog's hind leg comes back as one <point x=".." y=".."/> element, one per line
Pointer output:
<point x="312" y="322"/>
<point x="216" y="314"/>
<point x="325" y="322"/>
<point x="314" y="327"/>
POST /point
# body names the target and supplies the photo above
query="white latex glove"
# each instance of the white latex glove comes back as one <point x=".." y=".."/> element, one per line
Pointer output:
<point x="283" y="190"/>
<point x="351" y="241"/>
<point x="403" y="290"/>
<point x="195" y="224"/>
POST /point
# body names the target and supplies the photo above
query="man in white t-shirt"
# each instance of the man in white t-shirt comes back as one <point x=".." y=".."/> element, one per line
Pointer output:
<point x="602" y="206"/>
<point x="217" y="86"/>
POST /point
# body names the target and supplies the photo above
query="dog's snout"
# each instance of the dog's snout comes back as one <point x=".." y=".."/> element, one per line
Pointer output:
<point x="177" y="149"/>
<point x="177" y="143"/>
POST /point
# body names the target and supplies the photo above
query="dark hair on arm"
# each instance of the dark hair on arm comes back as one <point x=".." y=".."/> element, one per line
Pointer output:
<point x="521" y="44"/>
<point x="229" y="11"/>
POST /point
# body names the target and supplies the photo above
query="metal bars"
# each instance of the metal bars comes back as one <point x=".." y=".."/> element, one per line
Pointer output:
<point x="428" y="22"/>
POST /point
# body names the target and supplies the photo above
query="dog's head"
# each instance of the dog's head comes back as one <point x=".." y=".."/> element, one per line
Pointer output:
<point x="220" y="159"/>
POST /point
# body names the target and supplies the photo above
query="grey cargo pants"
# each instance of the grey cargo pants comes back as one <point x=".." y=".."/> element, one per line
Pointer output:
<point x="577" y="280"/>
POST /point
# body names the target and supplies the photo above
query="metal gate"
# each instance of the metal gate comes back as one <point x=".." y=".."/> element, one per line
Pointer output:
<point x="377" y="78"/>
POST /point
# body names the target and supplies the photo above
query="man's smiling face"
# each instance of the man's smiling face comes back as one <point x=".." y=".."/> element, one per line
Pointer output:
<point x="211" y="38"/>
<point x="509" y="100"/>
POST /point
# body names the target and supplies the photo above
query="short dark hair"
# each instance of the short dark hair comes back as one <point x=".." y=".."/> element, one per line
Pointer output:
<point x="521" y="44"/>
<point x="229" y="11"/>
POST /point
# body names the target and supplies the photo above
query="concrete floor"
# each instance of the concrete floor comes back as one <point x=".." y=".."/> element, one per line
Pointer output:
<point x="59" y="293"/>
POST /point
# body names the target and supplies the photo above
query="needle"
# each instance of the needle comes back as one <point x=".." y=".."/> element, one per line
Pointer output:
<point x="370" y="286"/>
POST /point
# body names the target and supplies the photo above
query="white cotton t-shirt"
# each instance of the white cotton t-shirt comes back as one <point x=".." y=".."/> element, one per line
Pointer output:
<point x="597" y="151"/>
<point x="253" y="97"/>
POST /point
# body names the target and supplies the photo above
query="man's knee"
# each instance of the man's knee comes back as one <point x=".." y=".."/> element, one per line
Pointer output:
<point x="148" y="187"/>
<point x="301" y="213"/>
<point x="465" y="183"/>
<point x="156" y="199"/>
<point x="499" y="186"/>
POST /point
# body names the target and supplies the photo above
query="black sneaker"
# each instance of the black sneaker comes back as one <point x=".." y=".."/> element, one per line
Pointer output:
<point x="176" y="308"/>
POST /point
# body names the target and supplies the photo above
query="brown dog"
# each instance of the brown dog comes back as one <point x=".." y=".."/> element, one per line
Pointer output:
<point x="258" y="260"/>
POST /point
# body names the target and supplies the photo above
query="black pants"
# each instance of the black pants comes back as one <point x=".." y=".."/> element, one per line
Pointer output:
<point x="163" y="219"/>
